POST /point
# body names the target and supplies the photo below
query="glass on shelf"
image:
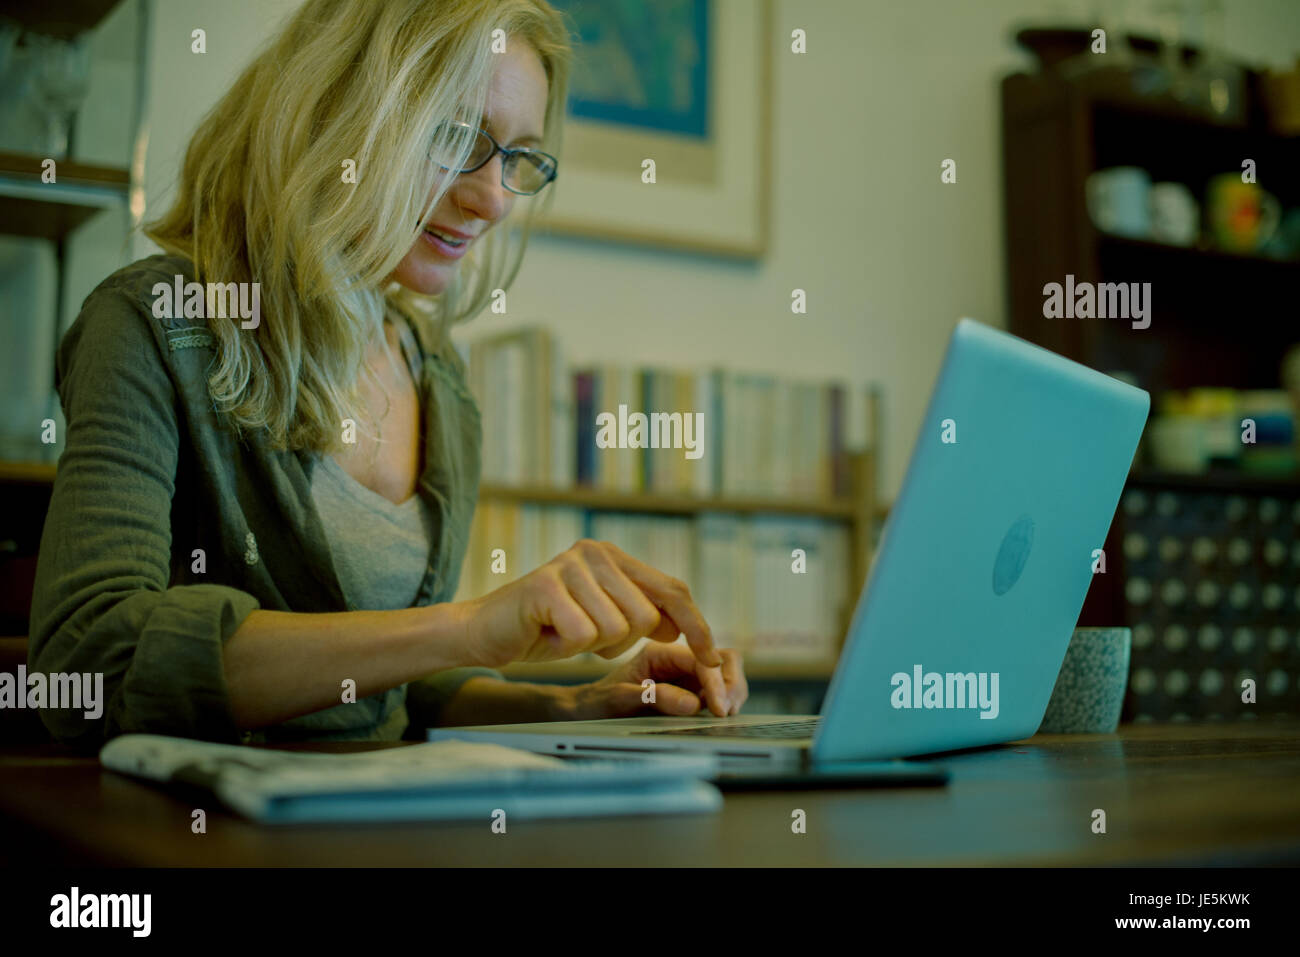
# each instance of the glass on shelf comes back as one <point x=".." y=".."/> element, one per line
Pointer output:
<point x="15" y="83"/>
<point x="1171" y="16"/>
<point x="1215" y="85"/>
<point x="60" y="70"/>
<point x="9" y="34"/>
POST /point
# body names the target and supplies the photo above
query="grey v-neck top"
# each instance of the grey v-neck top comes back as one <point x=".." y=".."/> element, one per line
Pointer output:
<point x="379" y="547"/>
<point x="152" y="476"/>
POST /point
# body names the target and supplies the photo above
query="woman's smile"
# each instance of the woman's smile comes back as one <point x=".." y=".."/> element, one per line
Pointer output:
<point x="445" y="242"/>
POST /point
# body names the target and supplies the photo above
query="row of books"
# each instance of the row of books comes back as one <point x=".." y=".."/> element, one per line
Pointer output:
<point x="651" y="430"/>
<point x="774" y="587"/>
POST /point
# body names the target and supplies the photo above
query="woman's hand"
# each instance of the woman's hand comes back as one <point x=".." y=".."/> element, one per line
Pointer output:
<point x="681" y="686"/>
<point x="592" y="597"/>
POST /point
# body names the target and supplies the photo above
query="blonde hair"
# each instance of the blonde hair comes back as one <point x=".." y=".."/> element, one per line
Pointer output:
<point x="262" y="197"/>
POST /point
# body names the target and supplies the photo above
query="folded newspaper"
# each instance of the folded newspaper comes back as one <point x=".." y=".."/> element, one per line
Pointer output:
<point x="439" y="780"/>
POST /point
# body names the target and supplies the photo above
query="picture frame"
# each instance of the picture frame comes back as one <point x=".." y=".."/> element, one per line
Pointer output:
<point x="711" y="158"/>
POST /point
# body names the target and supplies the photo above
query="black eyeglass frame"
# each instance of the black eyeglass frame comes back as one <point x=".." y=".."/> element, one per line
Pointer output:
<point x="509" y="154"/>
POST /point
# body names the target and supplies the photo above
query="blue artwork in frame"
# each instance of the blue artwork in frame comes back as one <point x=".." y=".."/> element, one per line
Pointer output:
<point x="641" y="64"/>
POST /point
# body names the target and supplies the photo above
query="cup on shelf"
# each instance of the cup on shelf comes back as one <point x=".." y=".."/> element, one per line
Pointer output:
<point x="1285" y="242"/>
<point x="1242" y="216"/>
<point x="1281" y="91"/>
<point x="1119" y="201"/>
<point x="1178" y="443"/>
<point x="1175" y="214"/>
<point x="1290" y="374"/>
<point x="1216" y="409"/>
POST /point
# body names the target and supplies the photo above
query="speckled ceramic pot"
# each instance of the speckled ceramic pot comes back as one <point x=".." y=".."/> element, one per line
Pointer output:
<point x="1089" y="690"/>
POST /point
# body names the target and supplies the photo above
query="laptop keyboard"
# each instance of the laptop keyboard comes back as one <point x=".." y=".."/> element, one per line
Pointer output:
<point x="802" y="728"/>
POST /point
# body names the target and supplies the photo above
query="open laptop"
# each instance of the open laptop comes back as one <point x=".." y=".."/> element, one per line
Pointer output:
<point x="980" y="575"/>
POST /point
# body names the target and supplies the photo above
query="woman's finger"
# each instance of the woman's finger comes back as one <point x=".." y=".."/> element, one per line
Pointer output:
<point x="733" y="674"/>
<point x="714" y="688"/>
<point x="670" y="663"/>
<point x="670" y="699"/>
<point x="672" y="597"/>
<point x="613" y="651"/>
<point x="666" y="632"/>
<point x="625" y="698"/>
<point x="612" y="627"/>
<point x="641" y="614"/>
<point x="676" y="662"/>
<point x="574" y="629"/>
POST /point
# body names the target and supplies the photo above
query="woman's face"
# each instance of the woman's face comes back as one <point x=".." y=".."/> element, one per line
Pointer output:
<point x="515" y="115"/>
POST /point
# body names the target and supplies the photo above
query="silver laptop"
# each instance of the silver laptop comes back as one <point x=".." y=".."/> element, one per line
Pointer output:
<point x="980" y="574"/>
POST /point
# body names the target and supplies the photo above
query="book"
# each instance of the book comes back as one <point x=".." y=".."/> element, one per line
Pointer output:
<point x="563" y="452"/>
<point x="437" y="780"/>
<point x="584" y="401"/>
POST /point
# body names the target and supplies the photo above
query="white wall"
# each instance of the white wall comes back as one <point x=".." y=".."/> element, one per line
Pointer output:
<point x="889" y="256"/>
<point x="185" y="85"/>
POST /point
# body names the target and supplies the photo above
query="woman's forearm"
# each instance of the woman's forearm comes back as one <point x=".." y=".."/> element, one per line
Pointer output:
<point x="280" y="665"/>
<point x="484" y="700"/>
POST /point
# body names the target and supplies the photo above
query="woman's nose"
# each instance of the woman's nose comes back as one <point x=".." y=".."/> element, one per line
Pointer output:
<point x="481" y="192"/>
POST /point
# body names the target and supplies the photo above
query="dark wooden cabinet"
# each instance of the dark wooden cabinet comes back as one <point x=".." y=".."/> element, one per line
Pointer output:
<point x="1218" y="319"/>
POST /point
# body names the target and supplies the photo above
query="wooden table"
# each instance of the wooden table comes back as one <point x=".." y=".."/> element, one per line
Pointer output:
<point x="1173" y="794"/>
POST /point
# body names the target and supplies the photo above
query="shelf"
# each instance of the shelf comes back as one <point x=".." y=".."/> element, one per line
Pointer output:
<point x="672" y="504"/>
<point x="42" y="473"/>
<point x="1219" y="480"/>
<point x="37" y="210"/>
<point x="566" y="671"/>
<point x="26" y="473"/>
<point x="1055" y="45"/>
<point x="28" y="166"/>
<point x="1037" y="95"/>
<point x="1194" y="256"/>
<point x="57" y="18"/>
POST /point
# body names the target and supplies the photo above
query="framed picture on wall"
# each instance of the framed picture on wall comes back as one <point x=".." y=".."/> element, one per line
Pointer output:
<point x="683" y="83"/>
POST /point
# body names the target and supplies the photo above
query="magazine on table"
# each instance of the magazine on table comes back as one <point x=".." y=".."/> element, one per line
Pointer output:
<point x="440" y="780"/>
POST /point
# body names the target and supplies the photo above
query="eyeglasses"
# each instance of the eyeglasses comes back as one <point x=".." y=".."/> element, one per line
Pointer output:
<point x="524" y="171"/>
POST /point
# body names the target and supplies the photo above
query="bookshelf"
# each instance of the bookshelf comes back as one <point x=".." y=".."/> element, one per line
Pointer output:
<point x="858" y="512"/>
<point x="725" y="515"/>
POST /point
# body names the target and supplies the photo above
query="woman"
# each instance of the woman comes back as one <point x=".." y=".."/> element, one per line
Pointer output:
<point x="258" y="521"/>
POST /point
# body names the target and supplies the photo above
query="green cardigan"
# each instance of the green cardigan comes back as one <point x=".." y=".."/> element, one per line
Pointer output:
<point x="149" y="473"/>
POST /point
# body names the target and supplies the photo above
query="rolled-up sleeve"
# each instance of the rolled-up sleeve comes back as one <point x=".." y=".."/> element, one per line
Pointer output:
<point x="101" y="601"/>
